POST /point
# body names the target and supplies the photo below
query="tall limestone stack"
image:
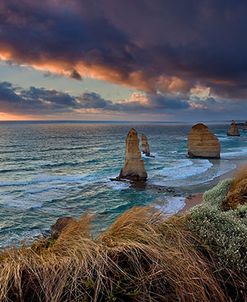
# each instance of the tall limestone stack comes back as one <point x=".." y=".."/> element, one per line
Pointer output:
<point x="145" y="145"/>
<point x="202" y="143"/>
<point x="233" y="130"/>
<point x="134" y="165"/>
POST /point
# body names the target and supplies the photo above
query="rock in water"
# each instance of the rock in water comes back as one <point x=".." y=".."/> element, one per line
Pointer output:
<point x="233" y="130"/>
<point x="202" y="143"/>
<point x="134" y="165"/>
<point x="145" y="145"/>
<point x="245" y="126"/>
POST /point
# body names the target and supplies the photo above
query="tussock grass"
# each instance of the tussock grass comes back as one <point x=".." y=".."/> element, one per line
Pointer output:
<point x="238" y="192"/>
<point x="143" y="256"/>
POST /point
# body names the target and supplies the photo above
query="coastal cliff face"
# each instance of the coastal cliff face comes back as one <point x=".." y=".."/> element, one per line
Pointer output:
<point x="233" y="130"/>
<point x="134" y="166"/>
<point x="145" y="145"/>
<point x="202" y="143"/>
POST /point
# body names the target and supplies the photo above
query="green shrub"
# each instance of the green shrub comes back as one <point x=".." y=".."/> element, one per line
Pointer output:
<point x="216" y="196"/>
<point x="224" y="232"/>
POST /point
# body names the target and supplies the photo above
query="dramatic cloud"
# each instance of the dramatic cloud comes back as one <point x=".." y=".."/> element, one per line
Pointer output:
<point x="37" y="101"/>
<point x="160" y="46"/>
<point x="43" y="102"/>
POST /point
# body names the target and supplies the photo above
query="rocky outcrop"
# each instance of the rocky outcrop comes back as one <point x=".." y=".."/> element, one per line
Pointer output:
<point x="145" y="145"/>
<point x="134" y="165"/>
<point x="233" y="130"/>
<point x="202" y="143"/>
<point x="60" y="225"/>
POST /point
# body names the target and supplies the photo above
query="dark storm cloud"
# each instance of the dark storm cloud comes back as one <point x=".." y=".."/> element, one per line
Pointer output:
<point x="94" y="100"/>
<point x="75" y="75"/>
<point x="43" y="101"/>
<point x="34" y="100"/>
<point x="141" y="43"/>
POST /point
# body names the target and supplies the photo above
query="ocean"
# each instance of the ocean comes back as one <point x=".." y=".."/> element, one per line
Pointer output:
<point x="50" y="170"/>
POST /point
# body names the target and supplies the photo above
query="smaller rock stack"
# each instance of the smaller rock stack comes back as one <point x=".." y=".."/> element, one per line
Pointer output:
<point x="233" y="130"/>
<point x="133" y="168"/>
<point x="245" y="126"/>
<point x="202" y="143"/>
<point x="145" y="145"/>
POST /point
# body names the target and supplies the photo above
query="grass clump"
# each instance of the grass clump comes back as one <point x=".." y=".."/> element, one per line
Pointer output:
<point x="237" y="194"/>
<point x="143" y="256"/>
<point x="215" y="197"/>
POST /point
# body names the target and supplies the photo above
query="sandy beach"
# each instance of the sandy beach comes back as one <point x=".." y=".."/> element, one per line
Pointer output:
<point x="191" y="201"/>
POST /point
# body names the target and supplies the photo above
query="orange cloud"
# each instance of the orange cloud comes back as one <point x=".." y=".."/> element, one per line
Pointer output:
<point x="135" y="79"/>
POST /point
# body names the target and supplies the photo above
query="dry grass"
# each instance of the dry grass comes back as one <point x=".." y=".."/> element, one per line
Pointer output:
<point x="238" y="191"/>
<point x="143" y="256"/>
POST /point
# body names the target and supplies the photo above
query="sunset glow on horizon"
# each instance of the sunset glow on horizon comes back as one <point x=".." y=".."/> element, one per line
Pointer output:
<point x="11" y="117"/>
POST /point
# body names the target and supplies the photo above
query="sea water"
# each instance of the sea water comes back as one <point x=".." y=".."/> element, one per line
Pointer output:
<point x="50" y="170"/>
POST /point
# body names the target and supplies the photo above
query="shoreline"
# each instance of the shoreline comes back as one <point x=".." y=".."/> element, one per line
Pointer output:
<point x="191" y="196"/>
<point x="197" y="198"/>
<point x="190" y="202"/>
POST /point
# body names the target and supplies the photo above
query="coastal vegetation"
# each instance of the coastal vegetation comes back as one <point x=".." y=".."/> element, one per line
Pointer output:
<point x="144" y="255"/>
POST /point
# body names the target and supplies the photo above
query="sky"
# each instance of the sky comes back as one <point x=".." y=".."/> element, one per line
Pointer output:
<point x="133" y="60"/>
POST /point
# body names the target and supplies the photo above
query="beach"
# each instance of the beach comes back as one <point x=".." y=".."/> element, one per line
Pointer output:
<point x="197" y="198"/>
<point x="191" y="201"/>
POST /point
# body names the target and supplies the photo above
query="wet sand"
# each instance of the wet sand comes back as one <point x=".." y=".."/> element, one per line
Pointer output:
<point x="191" y="201"/>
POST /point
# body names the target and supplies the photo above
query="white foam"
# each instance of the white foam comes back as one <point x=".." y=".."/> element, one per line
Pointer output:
<point x="172" y="205"/>
<point x="55" y="179"/>
<point x="149" y="157"/>
<point x="118" y="185"/>
<point x="186" y="168"/>
<point x="154" y="157"/>
<point x="234" y="153"/>
<point x="199" y="179"/>
<point x="27" y="237"/>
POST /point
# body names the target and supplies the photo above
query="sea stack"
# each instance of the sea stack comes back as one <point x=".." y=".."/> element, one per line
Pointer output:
<point x="202" y="143"/>
<point x="233" y="130"/>
<point x="245" y="126"/>
<point x="133" y="168"/>
<point x="145" y="145"/>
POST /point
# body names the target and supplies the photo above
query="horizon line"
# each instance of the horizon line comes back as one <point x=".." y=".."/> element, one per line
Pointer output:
<point x="115" y="121"/>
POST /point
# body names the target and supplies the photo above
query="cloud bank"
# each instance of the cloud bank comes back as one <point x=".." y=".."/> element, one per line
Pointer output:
<point x="155" y="46"/>
<point x="43" y="102"/>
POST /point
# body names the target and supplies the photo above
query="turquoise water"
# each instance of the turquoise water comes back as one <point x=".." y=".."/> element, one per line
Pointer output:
<point x="53" y="170"/>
